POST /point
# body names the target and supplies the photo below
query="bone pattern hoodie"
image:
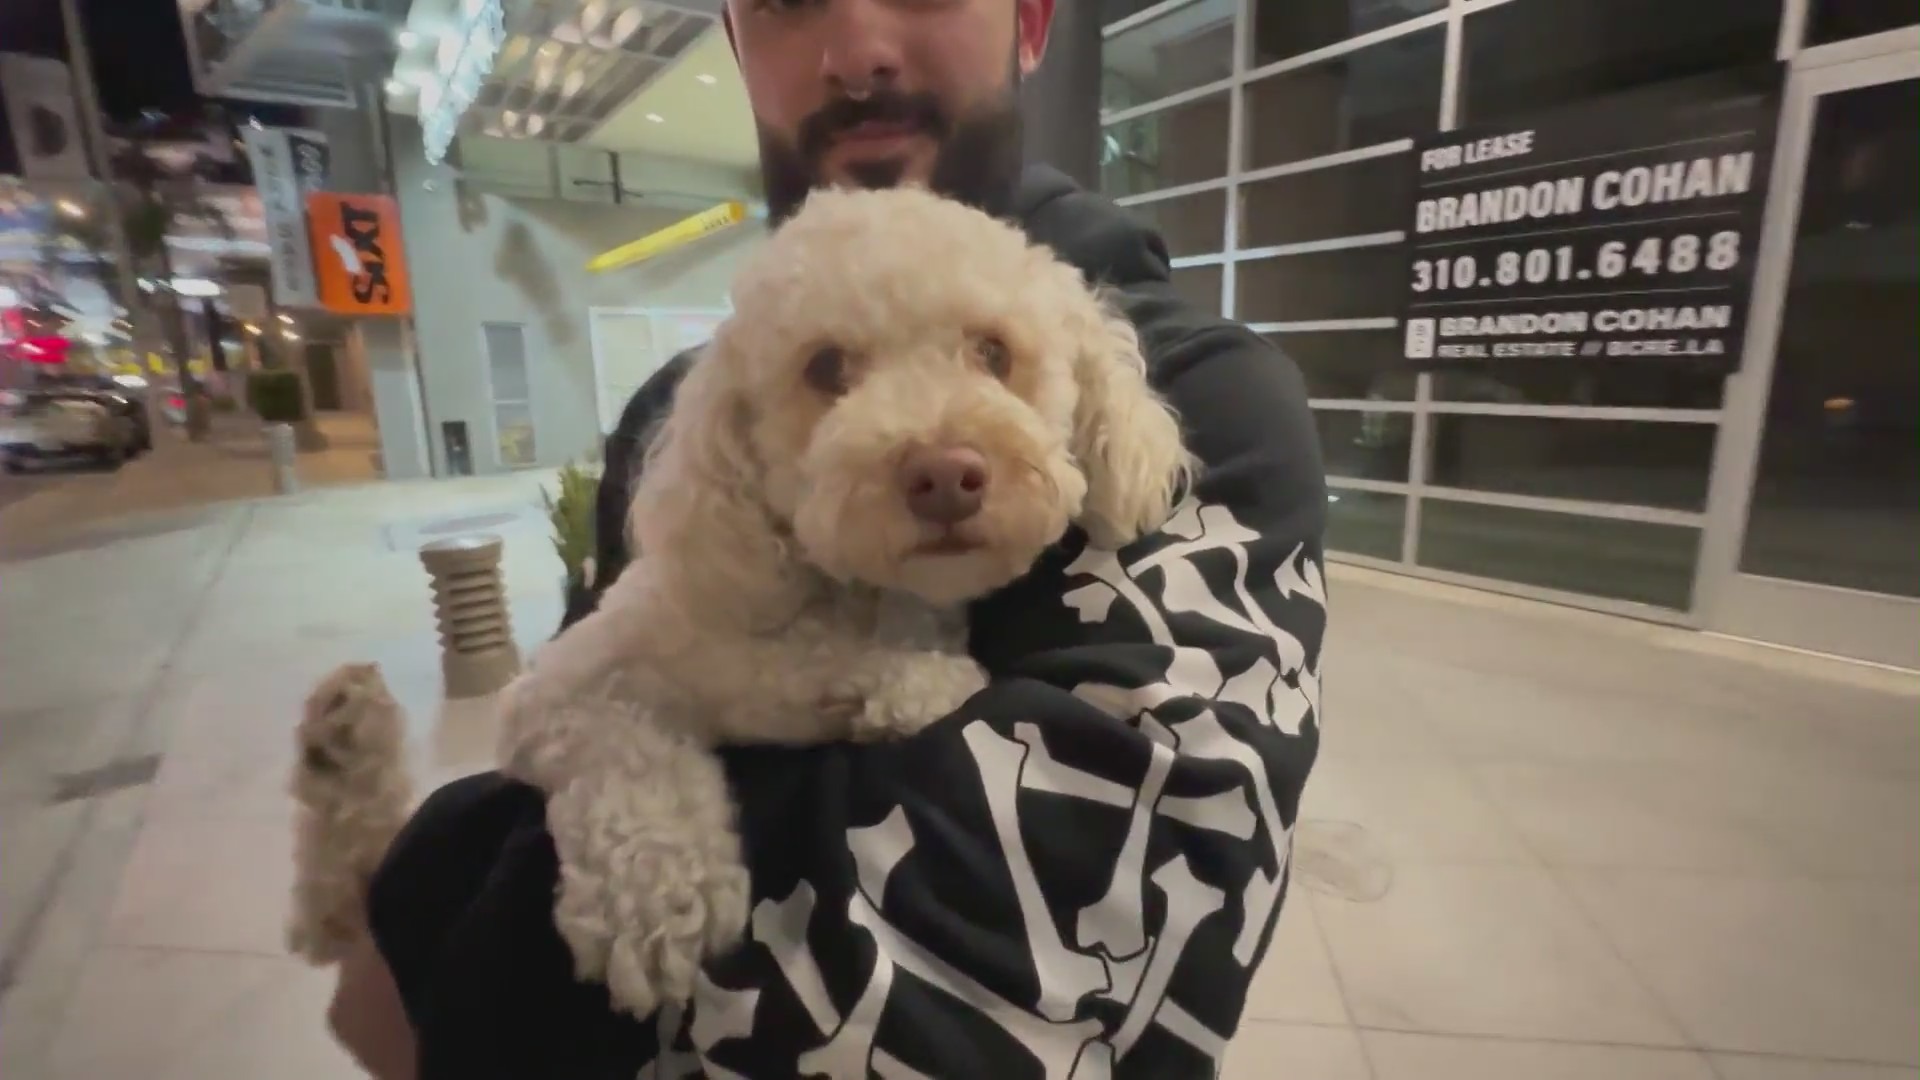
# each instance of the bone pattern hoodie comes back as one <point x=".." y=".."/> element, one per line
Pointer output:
<point x="1076" y="876"/>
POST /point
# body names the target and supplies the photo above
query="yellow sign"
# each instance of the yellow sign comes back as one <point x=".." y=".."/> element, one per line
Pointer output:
<point x="156" y="365"/>
<point x="678" y="234"/>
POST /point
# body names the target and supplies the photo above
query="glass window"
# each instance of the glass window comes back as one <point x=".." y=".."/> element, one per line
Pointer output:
<point x="1535" y="55"/>
<point x="1614" y="461"/>
<point x="1184" y="144"/>
<point x="1836" y="500"/>
<point x="1347" y="200"/>
<point x="1622" y="560"/>
<point x="1380" y="93"/>
<point x="1190" y="224"/>
<point x="1610" y="385"/>
<point x="1350" y="363"/>
<point x="506" y="345"/>
<point x="1187" y="47"/>
<point x="1199" y="286"/>
<point x="1112" y="11"/>
<point x="1351" y="283"/>
<point x="1366" y="522"/>
<point x="1837" y="20"/>
<point x="1365" y="445"/>
<point x="1283" y="28"/>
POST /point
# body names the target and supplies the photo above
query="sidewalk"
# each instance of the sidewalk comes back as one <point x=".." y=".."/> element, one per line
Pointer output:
<point x="156" y="679"/>
<point x="1539" y="843"/>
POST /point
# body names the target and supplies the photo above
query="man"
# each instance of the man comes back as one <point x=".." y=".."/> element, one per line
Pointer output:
<point x="1074" y="876"/>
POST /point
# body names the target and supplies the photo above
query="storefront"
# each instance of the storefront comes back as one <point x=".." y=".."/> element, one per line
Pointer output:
<point x="1769" y="490"/>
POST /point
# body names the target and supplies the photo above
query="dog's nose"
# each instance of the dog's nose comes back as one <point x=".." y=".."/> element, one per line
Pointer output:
<point x="944" y="486"/>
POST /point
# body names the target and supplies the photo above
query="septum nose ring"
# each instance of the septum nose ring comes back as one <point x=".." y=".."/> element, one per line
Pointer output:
<point x="859" y="93"/>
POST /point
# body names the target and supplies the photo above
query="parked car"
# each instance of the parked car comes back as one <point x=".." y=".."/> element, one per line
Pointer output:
<point x="68" y="424"/>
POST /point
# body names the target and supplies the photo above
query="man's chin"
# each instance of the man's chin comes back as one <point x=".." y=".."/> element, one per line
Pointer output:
<point x="879" y="172"/>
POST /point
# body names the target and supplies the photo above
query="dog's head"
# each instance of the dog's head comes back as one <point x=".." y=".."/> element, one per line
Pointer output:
<point x="909" y="395"/>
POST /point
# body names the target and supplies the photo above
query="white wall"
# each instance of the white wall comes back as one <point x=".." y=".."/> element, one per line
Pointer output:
<point x="478" y="258"/>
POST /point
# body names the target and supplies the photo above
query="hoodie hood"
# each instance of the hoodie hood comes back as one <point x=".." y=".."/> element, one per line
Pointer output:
<point x="1087" y="230"/>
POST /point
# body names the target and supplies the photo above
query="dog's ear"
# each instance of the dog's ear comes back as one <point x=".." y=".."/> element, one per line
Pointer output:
<point x="1125" y="436"/>
<point x="697" y="513"/>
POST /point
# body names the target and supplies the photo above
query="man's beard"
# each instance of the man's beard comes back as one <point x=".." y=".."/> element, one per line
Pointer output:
<point x="977" y="158"/>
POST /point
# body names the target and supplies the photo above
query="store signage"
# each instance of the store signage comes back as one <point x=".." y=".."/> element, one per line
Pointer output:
<point x="1612" y="232"/>
<point x="288" y="165"/>
<point x="362" y="265"/>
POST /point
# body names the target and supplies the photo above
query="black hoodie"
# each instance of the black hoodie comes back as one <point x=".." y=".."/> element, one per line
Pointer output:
<point x="1075" y="875"/>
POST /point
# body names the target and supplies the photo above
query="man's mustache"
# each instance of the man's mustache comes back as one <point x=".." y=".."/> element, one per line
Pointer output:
<point x="916" y="112"/>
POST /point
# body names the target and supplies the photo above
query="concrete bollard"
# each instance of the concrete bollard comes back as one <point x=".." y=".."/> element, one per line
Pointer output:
<point x="477" y="653"/>
<point x="280" y="450"/>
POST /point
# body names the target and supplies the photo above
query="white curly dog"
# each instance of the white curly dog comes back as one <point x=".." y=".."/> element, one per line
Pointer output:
<point x="910" y="403"/>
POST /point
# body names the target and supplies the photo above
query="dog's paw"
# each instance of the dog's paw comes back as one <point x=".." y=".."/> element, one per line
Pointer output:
<point x="916" y="690"/>
<point x="656" y="958"/>
<point x="650" y="888"/>
<point x="647" y="938"/>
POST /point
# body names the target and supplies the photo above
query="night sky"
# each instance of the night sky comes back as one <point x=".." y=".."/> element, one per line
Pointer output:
<point x="139" y="56"/>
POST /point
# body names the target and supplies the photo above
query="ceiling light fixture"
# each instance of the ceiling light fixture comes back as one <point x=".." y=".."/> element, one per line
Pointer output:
<point x="536" y="124"/>
<point x="656" y="118"/>
<point x="706" y="78"/>
<point x="288" y="319"/>
<point x="590" y="17"/>
<point x="572" y="84"/>
<point x="406" y="39"/>
<point x="624" y="24"/>
<point x="396" y="87"/>
<point x="461" y="69"/>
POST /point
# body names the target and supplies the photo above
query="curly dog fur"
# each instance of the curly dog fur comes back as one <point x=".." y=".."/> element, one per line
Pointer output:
<point x="353" y="793"/>
<point x="792" y="585"/>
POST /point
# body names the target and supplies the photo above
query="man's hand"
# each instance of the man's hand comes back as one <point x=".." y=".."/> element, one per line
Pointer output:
<point x="367" y="1018"/>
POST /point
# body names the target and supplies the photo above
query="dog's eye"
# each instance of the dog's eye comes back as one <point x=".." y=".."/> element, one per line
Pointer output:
<point x="994" y="354"/>
<point x="827" y="370"/>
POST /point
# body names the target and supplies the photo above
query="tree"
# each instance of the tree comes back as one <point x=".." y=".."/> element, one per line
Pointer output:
<point x="152" y="198"/>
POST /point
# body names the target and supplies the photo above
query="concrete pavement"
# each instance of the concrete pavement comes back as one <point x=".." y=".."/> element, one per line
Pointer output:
<point x="150" y="680"/>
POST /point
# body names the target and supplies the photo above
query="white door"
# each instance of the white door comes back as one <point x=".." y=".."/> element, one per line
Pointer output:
<point x="630" y="344"/>
<point x="1814" y="536"/>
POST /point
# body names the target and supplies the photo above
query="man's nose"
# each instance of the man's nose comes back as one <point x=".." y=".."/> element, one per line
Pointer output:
<point x="861" y="53"/>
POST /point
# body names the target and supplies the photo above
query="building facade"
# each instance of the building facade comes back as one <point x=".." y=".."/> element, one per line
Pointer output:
<point x="1273" y="143"/>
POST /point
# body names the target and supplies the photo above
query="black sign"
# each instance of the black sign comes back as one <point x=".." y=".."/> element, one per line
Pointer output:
<point x="1619" y="231"/>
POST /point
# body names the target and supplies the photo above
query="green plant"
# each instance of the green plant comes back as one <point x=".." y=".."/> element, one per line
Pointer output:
<point x="275" y="396"/>
<point x="571" y="512"/>
<point x="224" y="403"/>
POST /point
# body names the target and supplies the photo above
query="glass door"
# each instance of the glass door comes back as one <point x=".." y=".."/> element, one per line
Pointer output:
<point x="1815" y="526"/>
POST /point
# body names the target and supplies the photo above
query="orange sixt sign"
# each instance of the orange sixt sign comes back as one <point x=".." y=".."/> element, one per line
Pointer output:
<point x="357" y="253"/>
